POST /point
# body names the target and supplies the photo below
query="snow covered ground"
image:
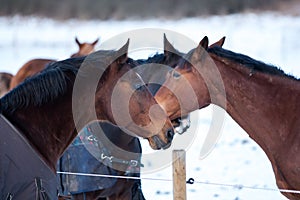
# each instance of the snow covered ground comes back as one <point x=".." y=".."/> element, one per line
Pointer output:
<point x="236" y="159"/>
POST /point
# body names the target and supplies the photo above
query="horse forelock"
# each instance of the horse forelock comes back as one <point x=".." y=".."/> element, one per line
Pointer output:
<point x="157" y="58"/>
<point x="186" y="60"/>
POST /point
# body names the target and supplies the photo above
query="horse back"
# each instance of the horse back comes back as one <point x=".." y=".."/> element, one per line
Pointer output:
<point x="29" y="69"/>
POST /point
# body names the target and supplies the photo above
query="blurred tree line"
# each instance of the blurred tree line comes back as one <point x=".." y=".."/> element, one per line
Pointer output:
<point x="120" y="9"/>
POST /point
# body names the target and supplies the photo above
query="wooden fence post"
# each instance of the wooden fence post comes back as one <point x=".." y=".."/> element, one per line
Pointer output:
<point x="179" y="175"/>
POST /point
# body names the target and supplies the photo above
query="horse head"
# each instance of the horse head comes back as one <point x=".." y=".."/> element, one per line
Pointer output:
<point x="128" y="102"/>
<point x="185" y="88"/>
<point x="84" y="48"/>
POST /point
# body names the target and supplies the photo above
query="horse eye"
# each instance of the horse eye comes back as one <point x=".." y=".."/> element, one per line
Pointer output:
<point x="176" y="75"/>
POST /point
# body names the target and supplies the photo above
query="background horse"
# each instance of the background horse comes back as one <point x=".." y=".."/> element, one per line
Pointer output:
<point x="5" y="79"/>
<point x="35" y="106"/>
<point x="253" y="93"/>
<point x="84" y="48"/>
<point x="34" y="66"/>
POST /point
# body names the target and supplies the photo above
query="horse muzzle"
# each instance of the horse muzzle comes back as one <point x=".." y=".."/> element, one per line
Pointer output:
<point x="156" y="142"/>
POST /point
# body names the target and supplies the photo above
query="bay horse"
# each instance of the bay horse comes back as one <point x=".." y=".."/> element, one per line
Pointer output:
<point x="42" y="108"/>
<point x="36" y="65"/>
<point x="5" y="79"/>
<point x="261" y="98"/>
<point x="170" y="57"/>
<point x="76" y="154"/>
<point x="122" y="189"/>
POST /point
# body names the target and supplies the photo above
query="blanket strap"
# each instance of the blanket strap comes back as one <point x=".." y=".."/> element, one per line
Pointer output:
<point x="40" y="191"/>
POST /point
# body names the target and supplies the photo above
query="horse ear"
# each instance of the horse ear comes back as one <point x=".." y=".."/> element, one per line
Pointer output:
<point x="95" y="42"/>
<point x="168" y="47"/>
<point x="203" y="46"/>
<point x="122" y="53"/>
<point x="219" y="43"/>
<point x="77" y="41"/>
<point x="198" y="53"/>
<point x="204" y="43"/>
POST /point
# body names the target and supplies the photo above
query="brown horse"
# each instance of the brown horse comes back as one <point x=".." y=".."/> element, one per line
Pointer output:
<point x="170" y="57"/>
<point x="5" y="79"/>
<point x="253" y="93"/>
<point x="122" y="189"/>
<point x="36" y="65"/>
<point x="77" y="154"/>
<point x="42" y="108"/>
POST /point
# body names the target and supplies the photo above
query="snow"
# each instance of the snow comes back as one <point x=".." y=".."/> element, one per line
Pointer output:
<point x="236" y="159"/>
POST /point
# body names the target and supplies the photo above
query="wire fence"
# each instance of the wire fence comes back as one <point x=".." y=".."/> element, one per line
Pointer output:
<point x="190" y="181"/>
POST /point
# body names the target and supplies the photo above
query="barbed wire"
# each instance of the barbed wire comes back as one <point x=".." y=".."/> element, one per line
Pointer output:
<point x="190" y="181"/>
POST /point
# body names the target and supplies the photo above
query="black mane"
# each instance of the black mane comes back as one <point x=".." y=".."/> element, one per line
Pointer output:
<point x="52" y="82"/>
<point x="248" y="62"/>
<point x="41" y="88"/>
<point x="157" y="58"/>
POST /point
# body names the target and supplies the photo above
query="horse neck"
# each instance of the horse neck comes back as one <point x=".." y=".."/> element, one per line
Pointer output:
<point x="48" y="128"/>
<point x="112" y="136"/>
<point x="257" y="102"/>
<point x="121" y="139"/>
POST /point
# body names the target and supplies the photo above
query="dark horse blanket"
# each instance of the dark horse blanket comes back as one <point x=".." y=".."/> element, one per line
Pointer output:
<point x="23" y="174"/>
<point x="79" y="160"/>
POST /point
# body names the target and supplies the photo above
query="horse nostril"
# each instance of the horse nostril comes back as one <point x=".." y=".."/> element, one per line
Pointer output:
<point x="170" y="134"/>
